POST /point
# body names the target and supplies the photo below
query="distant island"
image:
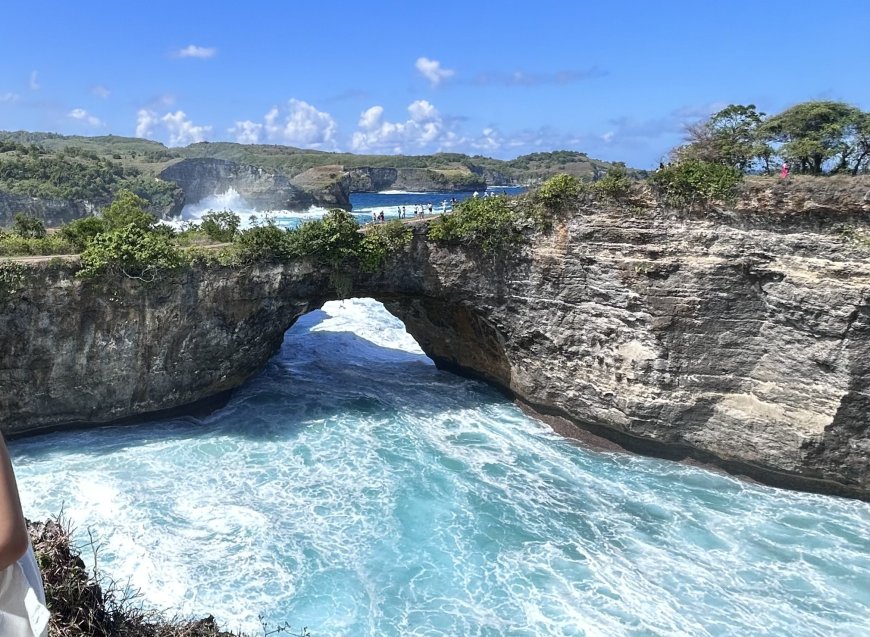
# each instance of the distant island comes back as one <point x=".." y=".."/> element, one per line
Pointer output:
<point x="59" y="178"/>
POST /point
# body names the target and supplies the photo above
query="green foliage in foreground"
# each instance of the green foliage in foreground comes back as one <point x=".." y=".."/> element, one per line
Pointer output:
<point x="490" y="223"/>
<point x="133" y="251"/>
<point x="381" y="241"/>
<point x="694" y="182"/>
<point x="616" y="183"/>
<point x="28" y="227"/>
<point x="220" y="226"/>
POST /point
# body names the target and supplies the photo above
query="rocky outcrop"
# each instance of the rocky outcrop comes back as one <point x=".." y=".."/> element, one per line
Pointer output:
<point x="414" y="180"/>
<point x="200" y="178"/>
<point x="740" y="338"/>
<point x="330" y="183"/>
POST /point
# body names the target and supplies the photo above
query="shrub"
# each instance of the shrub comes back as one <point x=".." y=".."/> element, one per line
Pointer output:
<point x="14" y="245"/>
<point x="132" y="251"/>
<point x="80" y="232"/>
<point x="128" y="209"/>
<point x="489" y="223"/>
<point x="559" y="191"/>
<point x="264" y="243"/>
<point x="616" y="183"/>
<point x="220" y="226"/>
<point x="333" y="239"/>
<point x="28" y="227"/>
<point x="695" y="182"/>
<point x="381" y="241"/>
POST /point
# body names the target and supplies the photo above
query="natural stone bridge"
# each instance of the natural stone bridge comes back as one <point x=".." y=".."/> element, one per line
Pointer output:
<point x="741" y="338"/>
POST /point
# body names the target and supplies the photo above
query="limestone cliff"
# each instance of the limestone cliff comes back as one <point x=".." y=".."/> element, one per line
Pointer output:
<point x="740" y="338"/>
<point x="52" y="212"/>
<point x="203" y="177"/>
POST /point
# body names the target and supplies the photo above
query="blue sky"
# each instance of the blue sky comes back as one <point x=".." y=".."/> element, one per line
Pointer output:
<point x="617" y="80"/>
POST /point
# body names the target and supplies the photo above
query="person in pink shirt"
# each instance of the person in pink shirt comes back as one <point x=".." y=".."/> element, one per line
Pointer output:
<point x="784" y="172"/>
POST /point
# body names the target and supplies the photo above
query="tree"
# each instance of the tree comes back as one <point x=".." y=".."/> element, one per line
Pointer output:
<point x="811" y="132"/>
<point x="220" y="226"/>
<point x="27" y="226"/>
<point x="729" y="137"/>
<point x="128" y="209"/>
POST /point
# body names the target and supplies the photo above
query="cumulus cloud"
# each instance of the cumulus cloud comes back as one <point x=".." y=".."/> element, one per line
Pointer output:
<point x="424" y="128"/>
<point x="296" y="123"/>
<point x="182" y="131"/>
<point x="176" y="126"/>
<point x="246" y="132"/>
<point x="82" y="115"/>
<point x="100" y="91"/>
<point x="34" y="81"/>
<point x="145" y="121"/>
<point x="193" y="51"/>
<point x="432" y="71"/>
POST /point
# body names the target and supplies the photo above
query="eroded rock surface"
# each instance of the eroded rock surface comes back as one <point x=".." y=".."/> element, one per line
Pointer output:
<point x="737" y="338"/>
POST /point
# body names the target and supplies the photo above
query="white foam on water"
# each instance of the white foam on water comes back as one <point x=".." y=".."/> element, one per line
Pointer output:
<point x="354" y="488"/>
<point x="250" y="216"/>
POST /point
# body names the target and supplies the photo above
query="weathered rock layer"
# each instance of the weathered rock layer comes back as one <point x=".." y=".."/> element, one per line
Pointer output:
<point x="738" y="338"/>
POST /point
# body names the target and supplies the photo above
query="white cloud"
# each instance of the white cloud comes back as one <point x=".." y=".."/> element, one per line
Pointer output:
<point x="34" y="81"/>
<point x="176" y="126"/>
<point x="8" y="97"/>
<point x="298" y="124"/>
<point x="246" y="132"/>
<point x="432" y="71"/>
<point x="82" y="115"/>
<point x="193" y="51"/>
<point x="606" y="137"/>
<point x="100" y="91"/>
<point x="425" y="128"/>
<point x="145" y="121"/>
<point x="182" y="131"/>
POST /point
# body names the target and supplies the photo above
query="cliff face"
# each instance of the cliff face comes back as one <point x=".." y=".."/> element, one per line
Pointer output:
<point x="52" y="212"/>
<point x="414" y="180"/>
<point x="82" y="352"/>
<point x="200" y="178"/>
<point x="737" y="338"/>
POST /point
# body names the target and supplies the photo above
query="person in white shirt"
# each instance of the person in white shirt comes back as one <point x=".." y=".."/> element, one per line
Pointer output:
<point x="22" y="598"/>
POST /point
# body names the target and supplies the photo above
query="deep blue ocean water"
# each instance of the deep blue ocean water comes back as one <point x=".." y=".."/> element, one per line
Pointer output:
<point x="363" y="204"/>
<point x="354" y="488"/>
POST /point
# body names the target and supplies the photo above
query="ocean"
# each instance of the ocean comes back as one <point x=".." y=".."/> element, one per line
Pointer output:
<point x="353" y="488"/>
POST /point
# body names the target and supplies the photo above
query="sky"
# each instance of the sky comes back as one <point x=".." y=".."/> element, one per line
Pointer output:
<point x="617" y="80"/>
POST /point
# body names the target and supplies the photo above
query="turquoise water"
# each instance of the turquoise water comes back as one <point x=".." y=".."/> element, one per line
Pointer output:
<point x="354" y="488"/>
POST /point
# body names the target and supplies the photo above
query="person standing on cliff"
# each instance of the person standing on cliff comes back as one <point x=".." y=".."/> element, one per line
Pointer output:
<point x="22" y="597"/>
<point x="783" y="174"/>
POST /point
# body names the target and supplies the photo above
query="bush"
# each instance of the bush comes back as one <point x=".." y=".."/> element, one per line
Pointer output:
<point x="332" y="240"/>
<point x="27" y="226"/>
<point x="559" y="191"/>
<point x="128" y="209"/>
<point x="489" y="223"/>
<point x="132" y="251"/>
<point x="616" y="184"/>
<point x="14" y="245"/>
<point x="80" y="232"/>
<point x="381" y="241"/>
<point x="695" y="182"/>
<point x="267" y="242"/>
<point x="220" y="226"/>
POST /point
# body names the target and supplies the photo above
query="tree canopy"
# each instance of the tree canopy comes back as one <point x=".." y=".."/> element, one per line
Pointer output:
<point x="813" y="137"/>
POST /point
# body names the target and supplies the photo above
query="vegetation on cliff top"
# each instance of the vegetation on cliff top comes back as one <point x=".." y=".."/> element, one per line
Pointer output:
<point x="77" y="174"/>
